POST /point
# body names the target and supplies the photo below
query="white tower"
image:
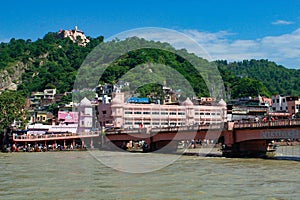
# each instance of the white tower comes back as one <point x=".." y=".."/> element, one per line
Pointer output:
<point x="85" y="116"/>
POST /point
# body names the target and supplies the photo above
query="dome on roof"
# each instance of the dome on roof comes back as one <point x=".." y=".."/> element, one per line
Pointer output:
<point x="85" y="102"/>
<point x="187" y="102"/>
<point x="222" y="103"/>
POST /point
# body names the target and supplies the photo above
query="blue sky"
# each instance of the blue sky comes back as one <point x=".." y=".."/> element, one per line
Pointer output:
<point x="232" y="30"/>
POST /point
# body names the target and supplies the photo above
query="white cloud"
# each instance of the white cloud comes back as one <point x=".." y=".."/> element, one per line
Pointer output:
<point x="282" y="22"/>
<point x="283" y="49"/>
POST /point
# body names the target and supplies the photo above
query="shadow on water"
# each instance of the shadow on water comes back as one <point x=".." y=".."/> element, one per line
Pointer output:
<point x="293" y="158"/>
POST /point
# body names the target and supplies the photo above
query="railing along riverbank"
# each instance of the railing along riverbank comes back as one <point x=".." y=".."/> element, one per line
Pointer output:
<point x="261" y="124"/>
<point x="27" y="137"/>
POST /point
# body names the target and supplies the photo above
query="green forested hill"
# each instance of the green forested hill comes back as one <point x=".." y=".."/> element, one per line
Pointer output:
<point x="277" y="79"/>
<point x="49" y="62"/>
<point x="53" y="62"/>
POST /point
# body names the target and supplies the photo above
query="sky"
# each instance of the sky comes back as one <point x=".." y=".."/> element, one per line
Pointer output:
<point x="233" y="30"/>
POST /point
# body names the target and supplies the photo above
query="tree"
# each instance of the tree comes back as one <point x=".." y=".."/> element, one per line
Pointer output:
<point x="12" y="109"/>
<point x="246" y="87"/>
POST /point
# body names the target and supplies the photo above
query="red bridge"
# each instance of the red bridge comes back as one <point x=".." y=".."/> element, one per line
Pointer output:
<point x="238" y="139"/>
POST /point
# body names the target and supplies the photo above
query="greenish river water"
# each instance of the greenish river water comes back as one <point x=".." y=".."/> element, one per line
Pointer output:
<point x="82" y="175"/>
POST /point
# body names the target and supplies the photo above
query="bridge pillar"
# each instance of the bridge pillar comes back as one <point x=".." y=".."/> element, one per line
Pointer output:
<point x="82" y="143"/>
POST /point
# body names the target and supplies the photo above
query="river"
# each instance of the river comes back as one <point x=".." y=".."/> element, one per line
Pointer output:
<point x="82" y="175"/>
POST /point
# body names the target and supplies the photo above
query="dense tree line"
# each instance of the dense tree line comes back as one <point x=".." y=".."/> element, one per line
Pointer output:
<point x="276" y="78"/>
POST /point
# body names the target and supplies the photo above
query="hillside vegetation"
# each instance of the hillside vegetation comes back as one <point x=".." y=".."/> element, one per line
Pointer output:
<point x="53" y="62"/>
<point x="276" y="78"/>
<point x="49" y="62"/>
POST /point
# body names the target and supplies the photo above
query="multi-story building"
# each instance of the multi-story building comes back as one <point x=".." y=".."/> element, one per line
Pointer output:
<point x="35" y="99"/>
<point x="49" y="93"/>
<point x="279" y="103"/>
<point x="67" y="121"/>
<point x="44" y="117"/>
<point x="293" y="104"/>
<point x="286" y="104"/>
<point x="248" y="108"/>
<point x="123" y="114"/>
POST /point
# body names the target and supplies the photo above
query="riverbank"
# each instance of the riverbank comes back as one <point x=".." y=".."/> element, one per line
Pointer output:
<point x="285" y="150"/>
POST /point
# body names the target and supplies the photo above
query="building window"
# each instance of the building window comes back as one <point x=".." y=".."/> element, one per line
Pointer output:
<point x="103" y="112"/>
<point x="273" y="100"/>
<point x="286" y="108"/>
<point x="146" y="113"/>
<point x="293" y="107"/>
<point x="128" y="113"/>
<point x="164" y="113"/>
<point x="181" y="113"/>
<point x="172" y="113"/>
<point x="283" y="100"/>
<point x="138" y="113"/>
<point x="201" y="113"/>
<point x="277" y="100"/>
<point x="44" y="118"/>
<point x="155" y="123"/>
<point x="280" y="108"/>
<point x="298" y="107"/>
<point x="207" y="113"/>
<point x="196" y="113"/>
<point x="155" y="113"/>
<point x="128" y="123"/>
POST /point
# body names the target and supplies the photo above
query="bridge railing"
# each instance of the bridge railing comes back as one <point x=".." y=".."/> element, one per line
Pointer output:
<point x="259" y="124"/>
<point x="148" y="130"/>
<point x="48" y="136"/>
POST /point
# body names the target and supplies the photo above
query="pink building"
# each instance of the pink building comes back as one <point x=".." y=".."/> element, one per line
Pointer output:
<point x="67" y="117"/>
<point x="118" y="113"/>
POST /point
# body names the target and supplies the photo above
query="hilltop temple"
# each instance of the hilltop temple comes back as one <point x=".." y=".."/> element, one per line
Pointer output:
<point x="76" y="35"/>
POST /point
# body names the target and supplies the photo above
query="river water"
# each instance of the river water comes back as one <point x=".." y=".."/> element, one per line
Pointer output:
<point x="82" y="175"/>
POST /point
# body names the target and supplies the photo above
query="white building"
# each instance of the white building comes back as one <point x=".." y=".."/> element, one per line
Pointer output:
<point x="279" y="103"/>
<point x="119" y="113"/>
<point x="85" y="111"/>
